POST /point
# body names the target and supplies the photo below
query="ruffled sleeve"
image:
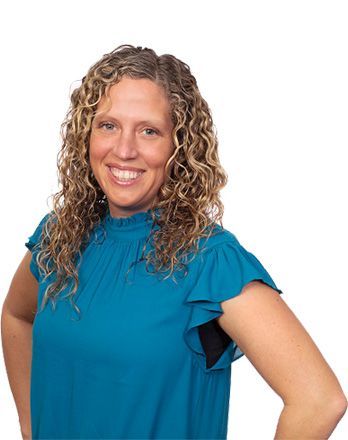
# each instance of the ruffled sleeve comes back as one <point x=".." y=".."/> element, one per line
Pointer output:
<point x="221" y="273"/>
<point x="30" y="244"/>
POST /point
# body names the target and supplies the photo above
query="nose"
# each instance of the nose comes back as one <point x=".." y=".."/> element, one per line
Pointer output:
<point x="125" y="145"/>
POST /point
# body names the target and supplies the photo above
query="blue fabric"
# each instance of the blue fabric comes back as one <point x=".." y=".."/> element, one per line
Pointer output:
<point x="133" y="366"/>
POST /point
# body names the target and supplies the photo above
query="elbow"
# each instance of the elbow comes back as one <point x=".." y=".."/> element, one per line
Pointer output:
<point x="333" y="407"/>
<point x="339" y="405"/>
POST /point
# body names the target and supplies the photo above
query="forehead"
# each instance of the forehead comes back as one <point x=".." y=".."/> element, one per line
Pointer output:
<point x="135" y="93"/>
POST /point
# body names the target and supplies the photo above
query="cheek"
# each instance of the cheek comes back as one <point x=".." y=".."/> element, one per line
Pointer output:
<point x="157" y="158"/>
<point x="97" y="149"/>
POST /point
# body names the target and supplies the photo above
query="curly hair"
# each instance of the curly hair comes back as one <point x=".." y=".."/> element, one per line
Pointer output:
<point x="189" y="201"/>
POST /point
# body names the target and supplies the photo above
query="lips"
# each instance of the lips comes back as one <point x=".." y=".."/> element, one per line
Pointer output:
<point x="124" y="167"/>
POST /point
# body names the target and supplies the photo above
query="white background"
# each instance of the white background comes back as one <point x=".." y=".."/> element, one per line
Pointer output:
<point x="275" y="76"/>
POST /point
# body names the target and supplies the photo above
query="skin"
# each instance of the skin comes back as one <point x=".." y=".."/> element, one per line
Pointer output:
<point x="120" y="136"/>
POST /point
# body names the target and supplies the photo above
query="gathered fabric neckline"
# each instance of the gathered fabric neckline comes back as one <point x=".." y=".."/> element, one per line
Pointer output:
<point x="133" y="227"/>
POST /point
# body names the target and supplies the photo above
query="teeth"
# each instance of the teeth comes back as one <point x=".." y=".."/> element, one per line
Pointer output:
<point x="125" y="175"/>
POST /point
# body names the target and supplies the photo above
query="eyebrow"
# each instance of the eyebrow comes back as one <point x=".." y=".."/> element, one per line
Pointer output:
<point x="147" y="121"/>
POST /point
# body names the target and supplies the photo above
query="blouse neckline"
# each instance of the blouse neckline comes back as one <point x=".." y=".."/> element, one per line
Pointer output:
<point x="133" y="227"/>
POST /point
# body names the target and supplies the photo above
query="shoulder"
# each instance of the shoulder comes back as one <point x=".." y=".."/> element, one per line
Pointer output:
<point x="219" y="245"/>
<point x="34" y="238"/>
<point x="219" y="236"/>
<point x="224" y="261"/>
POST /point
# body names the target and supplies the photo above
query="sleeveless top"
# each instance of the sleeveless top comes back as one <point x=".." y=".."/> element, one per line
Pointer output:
<point x="146" y="359"/>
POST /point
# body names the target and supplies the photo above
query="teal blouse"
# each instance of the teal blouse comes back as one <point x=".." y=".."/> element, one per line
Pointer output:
<point x="146" y="359"/>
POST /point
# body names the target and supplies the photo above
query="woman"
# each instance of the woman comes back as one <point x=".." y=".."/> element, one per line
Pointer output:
<point x="151" y="298"/>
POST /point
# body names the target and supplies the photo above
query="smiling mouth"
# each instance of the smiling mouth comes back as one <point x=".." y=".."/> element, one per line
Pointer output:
<point x="125" y="177"/>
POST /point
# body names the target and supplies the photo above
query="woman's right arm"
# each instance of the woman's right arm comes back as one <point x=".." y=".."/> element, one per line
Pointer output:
<point x="17" y="316"/>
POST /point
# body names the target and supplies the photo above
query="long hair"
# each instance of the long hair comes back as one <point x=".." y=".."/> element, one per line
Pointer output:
<point x="189" y="201"/>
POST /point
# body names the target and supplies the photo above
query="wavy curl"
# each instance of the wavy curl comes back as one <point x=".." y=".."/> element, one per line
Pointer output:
<point x="189" y="199"/>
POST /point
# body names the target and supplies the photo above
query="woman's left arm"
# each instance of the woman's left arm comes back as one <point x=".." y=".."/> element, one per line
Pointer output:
<point x="282" y="351"/>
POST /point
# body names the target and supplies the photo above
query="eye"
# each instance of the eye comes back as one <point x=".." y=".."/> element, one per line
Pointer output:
<point x="102" y="124"/>
<point x="151" y="129"/>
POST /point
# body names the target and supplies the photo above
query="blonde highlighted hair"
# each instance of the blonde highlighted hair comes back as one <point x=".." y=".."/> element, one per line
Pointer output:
<point x="189" y="201"/>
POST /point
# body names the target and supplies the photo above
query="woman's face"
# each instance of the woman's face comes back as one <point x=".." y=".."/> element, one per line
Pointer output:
<point x="135" y="136"/>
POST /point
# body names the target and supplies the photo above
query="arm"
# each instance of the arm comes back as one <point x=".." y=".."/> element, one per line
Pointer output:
<point x="282" y="351"/>
<point x="18" y="312"/>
